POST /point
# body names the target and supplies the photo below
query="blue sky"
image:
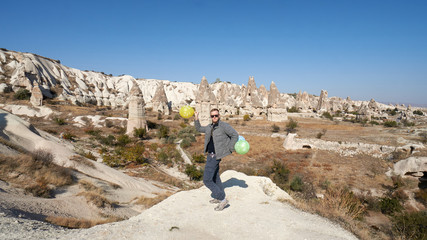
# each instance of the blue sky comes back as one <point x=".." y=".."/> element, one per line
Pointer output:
<point x="362" y="49"/>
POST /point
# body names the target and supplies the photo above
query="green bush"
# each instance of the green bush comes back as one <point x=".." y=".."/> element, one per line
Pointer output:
<point x="93" y="132"/>
<point x="109" y="140"/>
<point x="163" y="158"/>
<point x="59" y="121"/>
<point x="22" y="94"/>
<point x="134" y="154"/>
<point x="418" y="112"/>
<point x="185" y="143"/>
<point x="199" y="158"/>
<point x="327" y="115"/>
<point x="139" y="133"/>
<point x="246" y="117"/>
<point x="193" y="172"/>
<point x="374" y="123"/>
<point x="411" y="225"/>
<point x="176" y="117"/>
<point x="297" y="184"/>
<point x="390" y="205"/>
<point x="279" y="174"/>
<point x="291" y="126"/>
<point x="163" y="131"/>
<point x="123" y="140"/>
<point x="407" y="123"/>
<point x="390" y="124"/>
<point x="275" y="128"/>
<point x="293" y="110"/>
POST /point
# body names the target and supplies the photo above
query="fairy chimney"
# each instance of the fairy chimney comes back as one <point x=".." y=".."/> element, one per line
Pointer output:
<point x="136" y="117"/>
<point x="160" y="100"/>
<point x="276" y="111"/>
<point x="205" y="101"/>
<point x="323" y="101"/>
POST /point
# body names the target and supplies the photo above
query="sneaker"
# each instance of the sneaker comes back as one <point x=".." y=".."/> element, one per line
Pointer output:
<point x="221" y="205"/>
<point x="214" y="200"/>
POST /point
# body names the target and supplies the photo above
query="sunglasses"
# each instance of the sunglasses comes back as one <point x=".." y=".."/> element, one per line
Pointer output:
<point x="212" y="116"/>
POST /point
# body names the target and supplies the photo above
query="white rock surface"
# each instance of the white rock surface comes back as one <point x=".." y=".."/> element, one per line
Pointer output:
<point x="412" y="165"/>
<point x="254" y="212"/>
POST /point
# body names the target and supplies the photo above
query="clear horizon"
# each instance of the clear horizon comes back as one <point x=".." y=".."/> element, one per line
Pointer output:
<point x="363" y="49"/>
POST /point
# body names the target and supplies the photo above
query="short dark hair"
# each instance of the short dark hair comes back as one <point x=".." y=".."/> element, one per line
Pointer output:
<point x="214" y="109"/>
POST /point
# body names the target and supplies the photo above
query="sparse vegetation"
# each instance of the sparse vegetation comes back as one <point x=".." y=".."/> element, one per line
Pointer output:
<point x="328" y="116"/>
<point x="38" y="174"/>
<point x="390" y="205"/>
<point x="291" y="126"/>
<point x="293" y="110"/>
<point x="410" y="225"/>
<point x="199" y="158"/>
<point x="297" y="184"/>
<point x="22" y="94"/>
<point x="418" y="112"/>
<point x="139" y="133"/>
<point x="275" y="128"/>
<point x="390" y="124"/>
<point x="246" y="117"/>
<point x="193" y="172"/>
<point x="59" y="121"/>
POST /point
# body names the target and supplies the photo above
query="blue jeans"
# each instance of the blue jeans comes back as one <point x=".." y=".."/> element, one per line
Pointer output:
<point x="211" y="177"/>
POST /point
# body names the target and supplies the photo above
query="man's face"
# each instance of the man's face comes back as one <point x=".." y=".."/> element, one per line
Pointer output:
<point x="215" y="116"/>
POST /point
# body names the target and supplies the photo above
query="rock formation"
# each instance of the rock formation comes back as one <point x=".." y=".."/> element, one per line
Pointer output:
<point x="160" y="101"/>
<point x="136" y="118"/>
<point x="323" y="105"/>
<point x="205" y="101"/>
<point x="36" y="96"/>
<point x="303" y="102"/>
<point x="276" y="110"/>
<point x="251" y="100"/>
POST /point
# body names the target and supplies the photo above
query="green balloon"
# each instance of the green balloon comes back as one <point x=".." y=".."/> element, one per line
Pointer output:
<point x="241" y="147"/>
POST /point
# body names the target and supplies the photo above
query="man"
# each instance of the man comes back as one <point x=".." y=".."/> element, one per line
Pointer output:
<point x="220" y="138"/>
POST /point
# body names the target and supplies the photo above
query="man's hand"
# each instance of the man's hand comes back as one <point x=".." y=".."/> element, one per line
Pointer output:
<point x="196" y="115"/>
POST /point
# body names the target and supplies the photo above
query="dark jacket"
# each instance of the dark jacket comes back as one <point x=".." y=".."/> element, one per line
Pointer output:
<point x="224" y="137"/>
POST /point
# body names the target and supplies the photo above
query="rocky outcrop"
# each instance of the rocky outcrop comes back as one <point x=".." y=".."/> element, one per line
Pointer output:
<point x="415" y="166"/>
<point x="276" y="109"/>
<point x="322" y="105"/>
<point x="205" y="101"/>
<point x="36" y="96"/>
<point x="136" y="118"/>
<point x="160" y="101"/>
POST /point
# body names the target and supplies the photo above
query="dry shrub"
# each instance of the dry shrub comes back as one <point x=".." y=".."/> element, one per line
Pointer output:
<point x="341" y="202"/>
<point x="97" y="199"/>
<point x="12" y="145"/>
<point x="37" y="173"/>
<point x="88" y="186"/>
<point x="81" y="160"/>
<point x="149" y="202"/>
<point x="78" y="223"/>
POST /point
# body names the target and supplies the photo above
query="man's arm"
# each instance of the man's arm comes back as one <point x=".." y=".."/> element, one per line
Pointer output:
<point x="199" y="127"/>
<point x="234" y="136"/>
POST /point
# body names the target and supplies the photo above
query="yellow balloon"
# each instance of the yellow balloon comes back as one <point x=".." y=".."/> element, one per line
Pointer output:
<point x="186" y="111"/>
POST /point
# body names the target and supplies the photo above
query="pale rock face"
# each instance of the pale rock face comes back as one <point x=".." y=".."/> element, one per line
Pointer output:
<point x="205" y="101"/>
<point x="36" y="96"/>
<point x="303" y="103"/>
<point x="252" y="95"/>
<point x="160" y="101"/>
<point x="413" y="165"/>
<point x="323" y="101"/>
<point x="277" y="114"/>
<point x="136" y="117"/>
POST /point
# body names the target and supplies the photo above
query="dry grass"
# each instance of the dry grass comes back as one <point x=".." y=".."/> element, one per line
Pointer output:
<point x="88" y="186"/>
<point x="97" y="199"/>
<point x="38" y="175"/>
<point x="149" y="202"/>
<point x="78" y="223"/>
<point x="82" y="160"/>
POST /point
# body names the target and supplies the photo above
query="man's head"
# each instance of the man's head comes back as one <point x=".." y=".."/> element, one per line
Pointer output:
<point x="215" y="115"/>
